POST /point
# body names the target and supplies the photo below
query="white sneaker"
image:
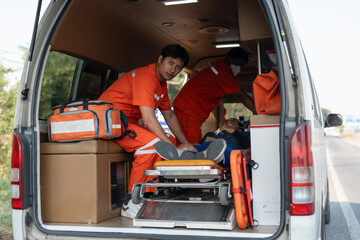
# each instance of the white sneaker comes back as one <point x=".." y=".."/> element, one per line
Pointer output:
<point x="130" y="209"/>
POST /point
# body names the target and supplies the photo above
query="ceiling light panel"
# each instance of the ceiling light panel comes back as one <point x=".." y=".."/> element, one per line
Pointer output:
<point x="177" y="2"/>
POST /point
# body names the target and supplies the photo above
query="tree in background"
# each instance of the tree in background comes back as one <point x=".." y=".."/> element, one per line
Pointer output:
<point x="7" y="109"/>
<point x="56" y="84"/>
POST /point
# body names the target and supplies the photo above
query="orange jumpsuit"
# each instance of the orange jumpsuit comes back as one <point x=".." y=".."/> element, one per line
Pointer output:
<point x="201" y="95"/>
<point x="139" y="87"/>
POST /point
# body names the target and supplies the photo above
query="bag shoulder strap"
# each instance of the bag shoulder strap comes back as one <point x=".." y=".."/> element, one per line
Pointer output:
<point x="277" y="75"/>
<point x="125" y="122"/>
<point x="275" y="71"/>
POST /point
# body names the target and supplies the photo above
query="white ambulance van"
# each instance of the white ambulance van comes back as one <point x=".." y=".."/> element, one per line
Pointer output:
<point x="75" y="190"/>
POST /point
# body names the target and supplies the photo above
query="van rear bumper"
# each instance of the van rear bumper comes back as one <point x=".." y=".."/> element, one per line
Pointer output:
<point x="18" y="224"/>
<point x="303" y="227"/>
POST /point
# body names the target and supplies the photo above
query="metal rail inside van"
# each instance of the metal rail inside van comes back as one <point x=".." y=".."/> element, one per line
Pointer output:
<point x="75" y="190"/>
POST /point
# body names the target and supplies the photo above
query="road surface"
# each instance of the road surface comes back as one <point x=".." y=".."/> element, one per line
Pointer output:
<point x="344" y="179"/>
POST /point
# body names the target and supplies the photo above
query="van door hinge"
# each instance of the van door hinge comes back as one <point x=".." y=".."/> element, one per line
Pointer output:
<point x="28" y="219"/>
<point x="25" y="93"/>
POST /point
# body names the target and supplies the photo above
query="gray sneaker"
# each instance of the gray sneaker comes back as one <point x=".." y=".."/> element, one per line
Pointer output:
<point x="200" y="155"/>
<point x="214" y="151"/>
<point x="170" y="152"/>
<point x="167" y="151"/>
<point x="186" y="155"/>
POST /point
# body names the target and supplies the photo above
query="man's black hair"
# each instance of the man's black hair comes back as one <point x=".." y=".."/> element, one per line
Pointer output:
<point x="238" y="52"/>
<point x="175" y="51"/>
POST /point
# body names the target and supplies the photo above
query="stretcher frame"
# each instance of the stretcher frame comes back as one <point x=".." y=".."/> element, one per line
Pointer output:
<point x="208" y="176"/>
<point x="186" y="169"/>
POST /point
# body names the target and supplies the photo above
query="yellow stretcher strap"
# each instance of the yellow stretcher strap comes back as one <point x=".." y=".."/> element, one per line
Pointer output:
<point x="174" y="163"/>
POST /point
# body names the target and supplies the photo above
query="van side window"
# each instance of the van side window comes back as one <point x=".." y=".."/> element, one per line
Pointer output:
<point x="91" y="80"/>
<point x="175" y="84"/>
<point x="57" y="81"/>
<point x="68" y="78"/>
<point x="236" y="110"/>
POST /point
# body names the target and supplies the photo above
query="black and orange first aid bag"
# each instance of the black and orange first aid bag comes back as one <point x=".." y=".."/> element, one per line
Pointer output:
<point x="87" y="119"/>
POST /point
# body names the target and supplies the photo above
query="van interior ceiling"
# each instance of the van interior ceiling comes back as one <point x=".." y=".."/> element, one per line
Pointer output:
<point x="93" y="31"/>
<point x="126" y="34"/>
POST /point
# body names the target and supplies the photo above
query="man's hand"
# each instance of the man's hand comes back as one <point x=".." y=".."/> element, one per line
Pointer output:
<point x="175" y="128"/>
<point x="185" y="146"/>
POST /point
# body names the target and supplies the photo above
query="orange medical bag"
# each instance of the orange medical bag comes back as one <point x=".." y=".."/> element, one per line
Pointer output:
<point x="87" y="119"/>
<point x="267" y="93"/>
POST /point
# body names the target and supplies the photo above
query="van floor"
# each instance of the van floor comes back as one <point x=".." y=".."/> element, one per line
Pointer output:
<point x="124" y="222"/>
<point x="127" y="223"/>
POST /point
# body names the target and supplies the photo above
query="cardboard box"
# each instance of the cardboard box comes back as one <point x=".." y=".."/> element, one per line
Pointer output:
<point x="92" y="146"/>
<point x="262" y="120"/>
<point x="264" y="135"/>
<point x="82" y="188"/>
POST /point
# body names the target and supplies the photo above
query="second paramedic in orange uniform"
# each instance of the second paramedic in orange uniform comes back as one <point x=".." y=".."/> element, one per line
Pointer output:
<point x="138" y="94"/>
<point x="203" y="93"/>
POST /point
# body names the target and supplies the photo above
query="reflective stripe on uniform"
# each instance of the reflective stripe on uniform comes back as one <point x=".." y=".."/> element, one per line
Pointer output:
<point x="133" y="73"/>
<point x="214" y="70"/>
<point x="141" y="151"/>
<point x="157" y="97"/>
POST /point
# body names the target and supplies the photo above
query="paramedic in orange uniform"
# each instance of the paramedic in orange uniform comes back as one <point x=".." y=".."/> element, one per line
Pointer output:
<point x="203" y="93"/>
<point x="139" y="93"/>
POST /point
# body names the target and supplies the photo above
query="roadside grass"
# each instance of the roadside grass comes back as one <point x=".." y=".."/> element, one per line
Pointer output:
<point x="5" y="208"/>
<point x="6" y="236"/>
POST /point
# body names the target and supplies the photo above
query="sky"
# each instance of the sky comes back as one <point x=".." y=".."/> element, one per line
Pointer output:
<point x="330" y="34"/>
<point x="17" y="19"/>
<point x="329" y="31"/>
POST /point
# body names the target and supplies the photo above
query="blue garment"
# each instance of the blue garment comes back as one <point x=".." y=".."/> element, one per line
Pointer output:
<point x="229" y="148"/>
<point x="228" y="137"/>
<point x="235" y="140"/>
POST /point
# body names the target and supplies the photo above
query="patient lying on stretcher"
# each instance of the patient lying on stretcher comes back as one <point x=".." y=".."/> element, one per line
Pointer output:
<point x="215" y="146"/>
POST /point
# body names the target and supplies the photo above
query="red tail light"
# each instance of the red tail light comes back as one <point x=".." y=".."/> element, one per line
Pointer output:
<point x="17" y="190"/>
<point x="302" y="171"/>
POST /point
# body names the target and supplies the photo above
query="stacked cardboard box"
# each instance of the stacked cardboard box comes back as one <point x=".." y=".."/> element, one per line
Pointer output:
<point x="76" y="184"/>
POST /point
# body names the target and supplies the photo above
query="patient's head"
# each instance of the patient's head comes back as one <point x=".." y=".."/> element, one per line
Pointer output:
<point x="232" y="123"/>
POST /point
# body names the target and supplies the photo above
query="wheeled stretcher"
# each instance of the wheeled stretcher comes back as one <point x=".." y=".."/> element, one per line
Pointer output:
<point x="188" y="193"/>
<point x="178" y="170"/>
